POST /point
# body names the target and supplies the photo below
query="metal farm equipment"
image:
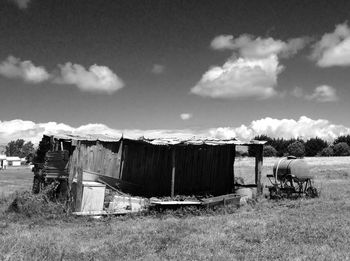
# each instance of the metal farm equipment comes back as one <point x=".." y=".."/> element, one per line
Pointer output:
<point x="291" y="178"/>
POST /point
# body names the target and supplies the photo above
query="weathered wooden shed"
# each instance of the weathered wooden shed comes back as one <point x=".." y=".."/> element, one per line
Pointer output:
<point x="154" y="167"/>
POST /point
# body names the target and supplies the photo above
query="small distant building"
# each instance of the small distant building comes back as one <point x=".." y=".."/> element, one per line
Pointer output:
<point x="3" y="162"/>
<point x="13" y="161"/>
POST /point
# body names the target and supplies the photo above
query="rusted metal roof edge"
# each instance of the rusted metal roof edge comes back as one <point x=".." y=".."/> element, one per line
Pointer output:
<point x="156" y="141"/>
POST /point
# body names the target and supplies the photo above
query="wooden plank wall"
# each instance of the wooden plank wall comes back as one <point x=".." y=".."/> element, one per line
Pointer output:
<point x="147" y="165"/>
<point x="204" y="170"/>
<point x="198" y="169"/>
<point x="100" y="157"/>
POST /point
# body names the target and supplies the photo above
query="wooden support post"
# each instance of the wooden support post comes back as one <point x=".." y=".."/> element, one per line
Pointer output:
<point x="121" y="153"/>
<point x="258" y="168"/>
<point x="233" y="169"/>
<point x="173" y="173"/>
<point x="79" y="187"/>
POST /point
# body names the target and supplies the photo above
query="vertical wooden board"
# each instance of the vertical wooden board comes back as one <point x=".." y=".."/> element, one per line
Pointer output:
<point x="168" y="169"/>
<point x="162" y="171"/>
<point x="201" y="167"/>
<point x="190" y="168"/>
<point x="223" y="172"/>
<point x="86" y="157"/>
<point x="109" y="162"/>
<point x="195" y="169"/>
<point x="153" y="169"/>
<point x="233" y="155"/>
<point x="183" y="171"/>
<point x="229" y="169"/>
<point x="147" y="168"/>
<point x="206" y="168"/>
<point x="162" y="160"/>
<point x="258" y="168"/>
<point x="114" y="167"/>
<point x="94" y="160"/>
<point x="79" y="191"/>
<point x="215" y="169"/>
<point x="127" y="162"/>
<point x="227" y="173"/>
<point x="119" y="160"/>
<point x="143" y="164"/>
<point x="122" y="161"/>
<point x="154" y="166"/>
<point x="209" y="166"/>
<point x="173" y="171"/>
<point x="179" y="181"/>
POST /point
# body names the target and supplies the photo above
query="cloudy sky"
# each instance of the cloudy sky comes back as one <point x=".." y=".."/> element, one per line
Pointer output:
<point x="214" y="68"/>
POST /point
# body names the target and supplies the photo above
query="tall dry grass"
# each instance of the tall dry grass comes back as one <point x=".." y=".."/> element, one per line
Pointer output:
<point x="314" y="229"/>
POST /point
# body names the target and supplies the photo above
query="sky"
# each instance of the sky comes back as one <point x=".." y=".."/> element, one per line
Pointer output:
<point x="213" y="68"/>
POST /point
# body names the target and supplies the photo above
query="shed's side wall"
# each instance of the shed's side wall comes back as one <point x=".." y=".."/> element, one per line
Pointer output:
<point x="204" y="169"/>
<point x="145" y="169"/>
<point x="198" y="169"/>
<point x="148" y="166"/>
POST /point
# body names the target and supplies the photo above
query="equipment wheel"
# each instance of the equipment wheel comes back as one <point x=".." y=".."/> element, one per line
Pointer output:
<point x="275" y="193"/>
<point x="311" y="192"/>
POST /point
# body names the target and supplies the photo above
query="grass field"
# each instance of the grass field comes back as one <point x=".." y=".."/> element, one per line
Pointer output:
<point x="15" y="179"/>
<point x="314" y="229"/>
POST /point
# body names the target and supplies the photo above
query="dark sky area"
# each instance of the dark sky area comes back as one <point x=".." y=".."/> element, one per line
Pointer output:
<point x="161" y="50"/>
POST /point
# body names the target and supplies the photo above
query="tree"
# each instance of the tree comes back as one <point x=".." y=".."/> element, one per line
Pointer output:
<point x="269" y="151"/>
<point x="20" y="148"/>
<point x="28" y="151"/>
<point x="314" y="146"/>
<point x="341" y="149"/>
<point x="296" y="149"/>
<point x="343" y="138"/>
<point x="327" y="152"/>
<point x="251" y="149"/>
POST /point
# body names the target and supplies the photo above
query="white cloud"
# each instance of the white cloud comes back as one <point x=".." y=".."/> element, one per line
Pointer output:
<point x="248" y="47"/>
<point x="28" y="130"/>
<point x="334" y="48"/>
<point x="222" y="42"/>
<point x="304" y="128"/>
<point x="254" y="73"/>
<point x="185" y="116"/>
<point x="22" y="4"/>
<point x="323" y="93"/>
<point x="97" y="78"/>
<point x="13" y="67"/>
<point x="157" y="69"/>
<point x="239" y="78"/>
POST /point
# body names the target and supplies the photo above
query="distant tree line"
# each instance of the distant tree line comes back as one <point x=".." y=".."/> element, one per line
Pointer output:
<point x="279" y="147"/>
<point x="21" y="149"/>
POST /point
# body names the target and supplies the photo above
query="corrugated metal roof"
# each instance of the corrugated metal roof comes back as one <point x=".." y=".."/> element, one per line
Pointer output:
<point x="176" y="140"/>
<point x="87" y="137"/>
